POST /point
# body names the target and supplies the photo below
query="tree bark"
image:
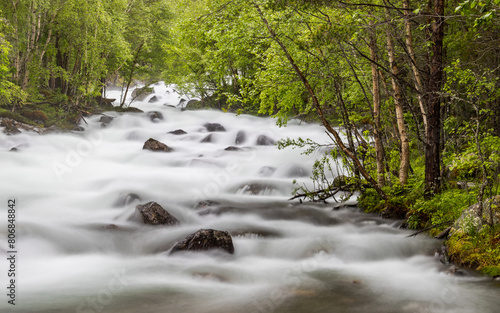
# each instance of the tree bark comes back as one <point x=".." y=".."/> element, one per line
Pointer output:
<point x="398" y="103"/>
<point x="317" y="105"/>
<point x="416" y="72"/>
<point x="379" y="149"/>
<point x="432" y="150"/>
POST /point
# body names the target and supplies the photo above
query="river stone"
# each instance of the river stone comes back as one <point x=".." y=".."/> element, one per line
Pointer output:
<point x="9" y="129"/>
<point x="233" y="148"/>
<point x="155" y="145"/>
<point x="155" y="116"/>
<point x="240" y="137"/>
<point x="204" y="240"/>
<point x="263" y="140"/>
<point x="177" y="132"/>
<point x="214" y="127"/>
<point x="153" y="99"/>
<point x="141" y="94"/>
<point x="106" y="119"/>
<point x="207" y="138"/>
<point x="154" y="214"/>
<point x="472" y="220"/>
<point x="206" y="204"/>
<point x="256" y="188"/>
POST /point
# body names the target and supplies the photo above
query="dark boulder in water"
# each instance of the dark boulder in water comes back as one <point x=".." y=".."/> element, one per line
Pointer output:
<point x="105" y="119"/>
<point x="233" y="148"/>
<point x="141" y="94"/>
<point x="153" y="99"/>
<point x="155" y="145"/>
<point x="155" y="116"/>
<point x="256" y="188"/>
<point x="214" y="127"/>
<point x="263" y="140"/>
<point x="240" y="137"/>
<point x="207" y="138"/>
<point x="204" y="240"/>
<point x="177" y="132"/>
<point x="154" y="214"/>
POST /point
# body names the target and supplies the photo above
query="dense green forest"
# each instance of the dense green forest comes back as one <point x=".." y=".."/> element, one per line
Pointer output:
<point x="409" y="91"/>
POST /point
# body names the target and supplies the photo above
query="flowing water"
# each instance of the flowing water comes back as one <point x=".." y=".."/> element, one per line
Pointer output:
<point x="79" y="248"/>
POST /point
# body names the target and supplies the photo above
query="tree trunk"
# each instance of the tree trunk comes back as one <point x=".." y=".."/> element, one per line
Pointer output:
<point x="317" y="105"/>
<point x="416" y="72"/>
<point x="379" y="149"/>
<point x="136" y="57"/>
<point x="432" y="151"/>
<point x="398" y="103"/>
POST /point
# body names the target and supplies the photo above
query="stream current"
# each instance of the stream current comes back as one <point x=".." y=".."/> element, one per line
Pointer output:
<point x="79" y="248"/>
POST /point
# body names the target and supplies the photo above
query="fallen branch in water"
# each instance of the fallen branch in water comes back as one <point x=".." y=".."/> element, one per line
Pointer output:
<point x="429" y="228"/>
<point x="327" y="192"/>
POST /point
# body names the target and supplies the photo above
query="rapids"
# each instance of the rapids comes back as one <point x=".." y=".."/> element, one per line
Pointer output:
<point x="289" y="257"/>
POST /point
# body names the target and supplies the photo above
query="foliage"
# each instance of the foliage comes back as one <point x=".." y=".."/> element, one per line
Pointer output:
<point x="443" y="208"/>
<point x="480" y="251"/>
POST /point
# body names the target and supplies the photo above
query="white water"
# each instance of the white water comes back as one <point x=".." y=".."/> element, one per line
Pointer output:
<point x="313" y="259"/>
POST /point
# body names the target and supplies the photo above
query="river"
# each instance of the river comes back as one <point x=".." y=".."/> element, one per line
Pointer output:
<point x="79" y="248"/>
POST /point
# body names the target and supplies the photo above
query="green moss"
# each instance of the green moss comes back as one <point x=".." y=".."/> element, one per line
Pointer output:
<point x="480" y="251"/>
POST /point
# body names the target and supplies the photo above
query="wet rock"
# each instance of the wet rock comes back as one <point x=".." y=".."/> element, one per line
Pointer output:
<point x="473" y="218"/>
<point x="455" y="271"/>
<point x="132" y="110"/>
<point x="296" y="171"/>
<point x="194" y="104"/>
<point x="214" y="127"/>
<point x="110" y="226"/>
<point x="233" y="148"/>
<point x="206" y="204"/>
<point x="105" y="120"/>
<point x="153" y="99"/>
<point x="9" y="129"/>
<point x="154" y="214"/>
<point x="207" y="139"/>
<point x="155" y="116"/>
<point x="181" y="103"/>
<point x="267" y="171"/>
<point x="155" y="145"/>
<point x="177" y="132"/>
<point x="14" y="149"/>
<point x="263" y="140"/>
<point x="256" y="188"/>
<point x="141" y="94"/>
<point x="78" y="129"/>
<point x="204" y="240"/>
<point x="241" y="137"/>
<point x="51" y="130"/>
<point x="126" y="199"/>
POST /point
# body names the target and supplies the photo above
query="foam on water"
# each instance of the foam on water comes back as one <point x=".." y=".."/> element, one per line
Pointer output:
<point x="70" y="187"/>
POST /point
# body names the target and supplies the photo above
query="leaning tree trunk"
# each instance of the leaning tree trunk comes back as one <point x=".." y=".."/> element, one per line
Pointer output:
<point x="317" y="105"/>
<point x="432" y="151"/>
